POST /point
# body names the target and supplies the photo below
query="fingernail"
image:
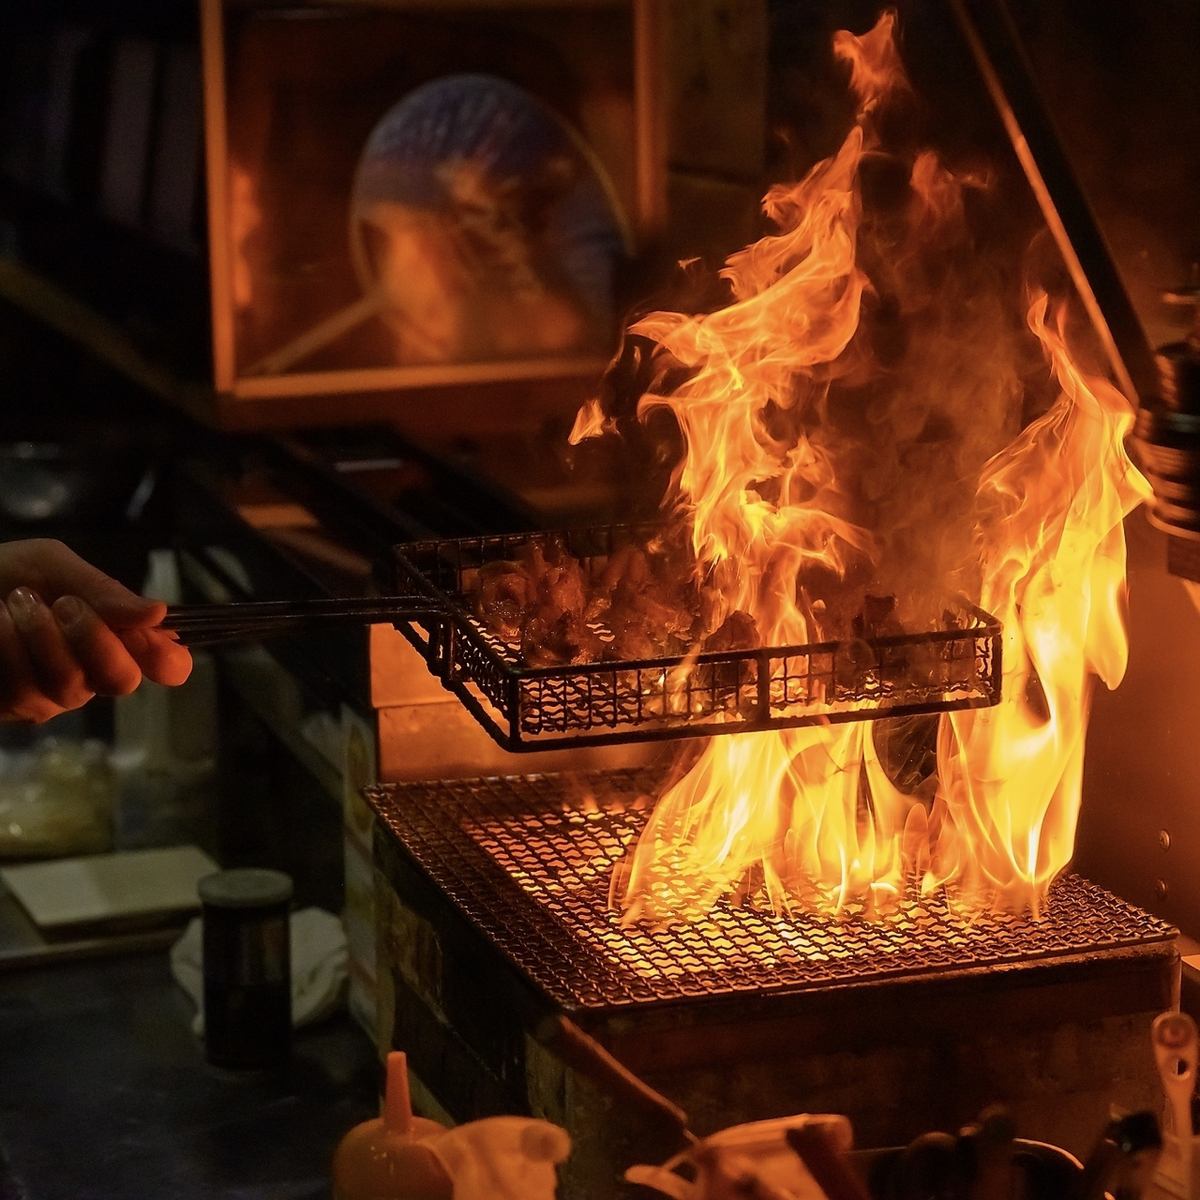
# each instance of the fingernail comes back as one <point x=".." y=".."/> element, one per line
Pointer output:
<point x="24" y="605"/>
<point x="68" y="610"/>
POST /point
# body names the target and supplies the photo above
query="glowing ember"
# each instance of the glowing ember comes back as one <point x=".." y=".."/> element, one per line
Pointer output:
<point x="853" y="417"/>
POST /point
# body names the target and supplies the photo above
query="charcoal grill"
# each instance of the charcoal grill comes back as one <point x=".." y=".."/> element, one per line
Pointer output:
<point x="496" y="925"/>
<point x="672" y="696"/>
<point x="529" y="858"/>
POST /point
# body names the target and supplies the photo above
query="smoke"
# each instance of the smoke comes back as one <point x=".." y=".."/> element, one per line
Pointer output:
<point x="884" y="423"/>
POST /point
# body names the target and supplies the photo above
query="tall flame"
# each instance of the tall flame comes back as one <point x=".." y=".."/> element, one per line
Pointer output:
<point x="850" y="415"/>
<point x="1052" y="507"/>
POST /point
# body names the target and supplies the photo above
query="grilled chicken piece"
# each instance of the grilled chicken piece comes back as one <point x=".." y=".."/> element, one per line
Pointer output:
<point x="545" y="602"/>
<point x="555" y="629"/>
<point x="630" y="642"/>
<point x="550" y="639"/>
<point x="627" y="568"/>
<point x="739" y="631"/>
<point x="877" y="618"/>
<point x="556" y="576"/>
<point x="504" y="595"/>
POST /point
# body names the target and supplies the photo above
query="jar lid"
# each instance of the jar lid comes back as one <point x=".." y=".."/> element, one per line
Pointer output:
<point x="247" y="887"/>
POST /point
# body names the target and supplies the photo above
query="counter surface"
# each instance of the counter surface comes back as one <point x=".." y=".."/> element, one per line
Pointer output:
<point x="105" y="1094"/>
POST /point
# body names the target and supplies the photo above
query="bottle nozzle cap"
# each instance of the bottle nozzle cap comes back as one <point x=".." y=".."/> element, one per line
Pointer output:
<point x="397" y="1103"/>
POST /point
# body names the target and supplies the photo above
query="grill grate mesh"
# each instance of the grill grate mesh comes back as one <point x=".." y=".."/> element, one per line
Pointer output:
<point x="529" y="859"/>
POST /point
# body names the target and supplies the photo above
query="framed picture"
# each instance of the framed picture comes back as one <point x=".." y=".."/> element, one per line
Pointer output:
<point x="403" y="193"/>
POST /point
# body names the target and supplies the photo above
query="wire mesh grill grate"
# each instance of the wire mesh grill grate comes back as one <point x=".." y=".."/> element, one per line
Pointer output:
<point x="528" y="859"/>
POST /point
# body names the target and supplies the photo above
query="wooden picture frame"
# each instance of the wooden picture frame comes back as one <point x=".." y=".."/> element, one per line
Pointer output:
<point x="273" y="377"/>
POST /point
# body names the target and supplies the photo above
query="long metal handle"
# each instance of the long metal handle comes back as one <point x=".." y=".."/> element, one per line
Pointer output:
<point x="253" y="620"/>
<point x="592" y="1060"/>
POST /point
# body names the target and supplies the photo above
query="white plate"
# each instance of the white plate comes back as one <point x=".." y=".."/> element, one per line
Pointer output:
<point x="102" y="887"/>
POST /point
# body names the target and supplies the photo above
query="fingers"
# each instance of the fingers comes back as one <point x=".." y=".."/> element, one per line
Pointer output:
<point x="55" y="659"/>
<point x="45" y="676"/>
<point x="69" y="632"/>
<point x="107" y="665"/>
<point x="159" y="655"/>
<point x="52" y="569"/>
<point x="21" y="698"/>
<point x="94" y="636"/>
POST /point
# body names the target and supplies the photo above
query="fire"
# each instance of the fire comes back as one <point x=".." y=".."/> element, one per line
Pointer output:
<point x="853" y="415"/>
<point x="1052" y="507"/>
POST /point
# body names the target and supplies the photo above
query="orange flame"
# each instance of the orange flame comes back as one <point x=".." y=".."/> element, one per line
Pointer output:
<point x="1052" y="507"/>
<point x="929" y="490"/>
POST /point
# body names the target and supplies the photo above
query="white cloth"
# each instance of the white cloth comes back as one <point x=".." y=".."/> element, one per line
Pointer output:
<point x="501" y="1158"/>
<point x="755" y="1158"/>
<point x="319" y="964"/>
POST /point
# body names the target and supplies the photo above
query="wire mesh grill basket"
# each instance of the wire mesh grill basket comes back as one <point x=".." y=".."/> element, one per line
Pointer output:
<point x="702" y="694"/>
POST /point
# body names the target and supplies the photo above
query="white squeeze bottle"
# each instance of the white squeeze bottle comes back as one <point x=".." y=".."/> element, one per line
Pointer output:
<point x="387" y="1158"/>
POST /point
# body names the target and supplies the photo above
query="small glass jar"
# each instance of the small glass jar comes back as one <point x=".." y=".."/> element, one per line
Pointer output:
<point x="247" y="968"/>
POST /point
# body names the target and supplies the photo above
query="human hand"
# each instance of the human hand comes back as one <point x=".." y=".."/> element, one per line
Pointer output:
<point x="68" y="632"/>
